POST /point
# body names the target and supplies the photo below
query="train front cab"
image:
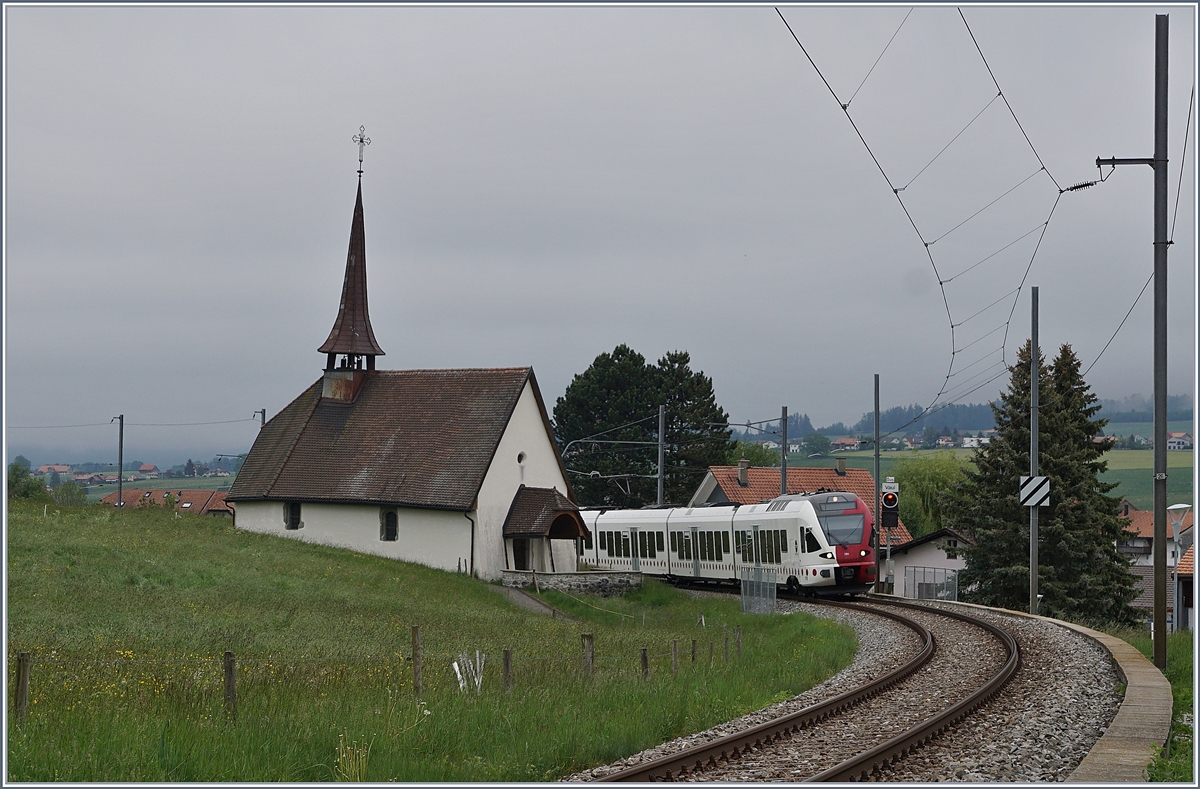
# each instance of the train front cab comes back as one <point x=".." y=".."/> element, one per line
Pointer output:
<point x="847" y="526"/>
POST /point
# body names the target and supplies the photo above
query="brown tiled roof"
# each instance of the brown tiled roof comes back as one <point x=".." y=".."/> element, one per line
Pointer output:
<point x="764" y="485"/>
<point x="413" y="438"/>
<point x="1145" y="587"/>
<point x="197" y="501"/>
<point x="1142" y="522"/>
<point x="216" y="504"/>
<point x="535" y="510"/>
<point x="352" y="331"/>
<point x="1187" y="562"/>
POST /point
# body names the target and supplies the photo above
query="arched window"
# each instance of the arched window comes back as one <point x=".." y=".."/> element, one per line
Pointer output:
<point x="389" y="527"/>
<point x="292" y="508"/>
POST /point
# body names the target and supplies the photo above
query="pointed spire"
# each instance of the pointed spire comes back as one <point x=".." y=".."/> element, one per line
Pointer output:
<point x="352" y="333"/>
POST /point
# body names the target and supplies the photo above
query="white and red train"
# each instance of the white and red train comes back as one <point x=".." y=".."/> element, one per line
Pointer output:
<point x="819" y="543"/>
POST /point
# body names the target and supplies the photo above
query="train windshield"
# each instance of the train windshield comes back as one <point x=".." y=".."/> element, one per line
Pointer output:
<point x="843" y="529"/>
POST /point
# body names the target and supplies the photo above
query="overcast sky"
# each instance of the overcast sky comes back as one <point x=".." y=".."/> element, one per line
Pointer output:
<point x="543" y="184"/>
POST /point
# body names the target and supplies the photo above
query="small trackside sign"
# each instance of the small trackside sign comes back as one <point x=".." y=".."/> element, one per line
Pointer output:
<point x="889" y="487"/>
<point x="1035" y="491"/>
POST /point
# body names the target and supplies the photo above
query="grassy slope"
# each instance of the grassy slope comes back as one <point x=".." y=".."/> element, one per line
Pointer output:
<point x="93" y="584"/>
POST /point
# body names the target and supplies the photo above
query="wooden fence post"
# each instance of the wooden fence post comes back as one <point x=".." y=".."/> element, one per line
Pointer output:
<point x="589" y="653"/>
<point x="710" y="653"/>
<point x="738" y="635"/>
<point x="416" y="658"/>
<point x="675" y="656"/>
<point x="645" y="664"/>
<point x="727" y="648"/>
<point x="22" y="699"/>
<point x="508" y="669"/>
<point x="230" y="686"/>
<point x="693" y="650"/>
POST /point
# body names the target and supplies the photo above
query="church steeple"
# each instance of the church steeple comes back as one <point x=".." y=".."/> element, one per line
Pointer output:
<point x="352" y="335"/>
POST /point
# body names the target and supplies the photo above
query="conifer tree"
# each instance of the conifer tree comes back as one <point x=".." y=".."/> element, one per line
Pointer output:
<point x="1080" y="573"/>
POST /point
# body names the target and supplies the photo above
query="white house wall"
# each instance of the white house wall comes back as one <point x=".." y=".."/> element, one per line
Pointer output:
<point x="927" y="555"/>
<point x="526" y="435"/>
<point x="431" y="537"/>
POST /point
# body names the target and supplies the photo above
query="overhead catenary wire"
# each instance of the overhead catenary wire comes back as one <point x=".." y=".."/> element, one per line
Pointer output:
<point x="131" y="424"/>
<point x="946" y="390"/>
<point x="881" y="54"/>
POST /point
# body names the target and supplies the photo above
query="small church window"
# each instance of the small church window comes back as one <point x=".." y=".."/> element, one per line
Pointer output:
<point x="389" y="530"/>
<point x="293" y="515"/>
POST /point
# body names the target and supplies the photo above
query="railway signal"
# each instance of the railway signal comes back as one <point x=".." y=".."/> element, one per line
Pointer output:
<point x="889" y="515"/>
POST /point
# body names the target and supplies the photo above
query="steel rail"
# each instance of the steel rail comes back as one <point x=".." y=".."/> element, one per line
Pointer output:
<point x="861" y="766"/>
<point x="667" y="768"/>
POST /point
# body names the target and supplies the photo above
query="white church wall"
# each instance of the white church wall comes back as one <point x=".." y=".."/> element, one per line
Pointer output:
<point x="431" y="537"/>
<point x="526" y="454"/>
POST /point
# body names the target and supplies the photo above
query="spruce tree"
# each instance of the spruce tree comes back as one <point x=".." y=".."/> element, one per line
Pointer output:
<point x="1080" y="573"/>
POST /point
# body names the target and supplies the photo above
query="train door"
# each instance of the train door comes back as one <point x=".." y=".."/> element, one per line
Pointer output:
<point x="756" y="547"/>
<point x="695" y="546"/>
<point x="634" y="564"/>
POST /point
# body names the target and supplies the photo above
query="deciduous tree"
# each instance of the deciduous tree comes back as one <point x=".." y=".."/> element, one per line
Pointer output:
<point x="22" y="485"/>
<point x="925" y="484"/>
<point x="614" y="404"/>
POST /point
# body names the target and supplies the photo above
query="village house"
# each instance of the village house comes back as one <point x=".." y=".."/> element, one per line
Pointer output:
<point x="199" y="502"/>
<point x="846" y="444"/>
<point x="53" y="468"/>
<point x="148" y="471"/>
<point x="746" y="484"/>
<point x="1179" y="441"/>
<point x="455" y="469"/>
<point x="927" y="568"/>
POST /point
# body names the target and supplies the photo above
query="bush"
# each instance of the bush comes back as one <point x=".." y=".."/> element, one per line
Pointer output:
<point x="23" y="485"/>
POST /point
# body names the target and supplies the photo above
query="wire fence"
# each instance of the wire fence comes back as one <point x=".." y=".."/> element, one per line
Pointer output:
<point x="214" y="683"/>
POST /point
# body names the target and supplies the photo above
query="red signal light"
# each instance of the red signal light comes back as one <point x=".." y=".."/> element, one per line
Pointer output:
<point x="890" y="500"/>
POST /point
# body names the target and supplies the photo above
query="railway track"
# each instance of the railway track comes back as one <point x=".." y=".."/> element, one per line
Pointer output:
<point x="860" y="731"/>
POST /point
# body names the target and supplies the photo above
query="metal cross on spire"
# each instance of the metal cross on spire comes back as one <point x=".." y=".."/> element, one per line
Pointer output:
<point x="363" y="140"/>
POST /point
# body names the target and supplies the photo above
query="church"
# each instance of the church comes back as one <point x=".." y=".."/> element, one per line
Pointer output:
<point x="455" y="469"/>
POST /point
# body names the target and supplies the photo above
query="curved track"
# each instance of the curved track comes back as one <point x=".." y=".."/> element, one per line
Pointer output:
<point x="722" y="754"/>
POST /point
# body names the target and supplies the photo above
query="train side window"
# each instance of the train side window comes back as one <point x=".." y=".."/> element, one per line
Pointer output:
<point x="725" y="541"/>
<point x="650" y="544"/>
<point x="810" y="542"/>
<point x="717" y="546"/>
<point x="612" y="544"/>
<point x="658" y="539"/>
<point x="674" y="541"/>
<point x="603" y="540"/>
<point x="625" y="545"/>
<point x="641" y="546"/>
<point x="783" y="538"/>
<point x="587" y="541"/>
<point x="687" y="546"/>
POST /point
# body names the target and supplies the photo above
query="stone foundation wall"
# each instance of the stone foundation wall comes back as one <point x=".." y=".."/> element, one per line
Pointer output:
<point x="605" y="584"/>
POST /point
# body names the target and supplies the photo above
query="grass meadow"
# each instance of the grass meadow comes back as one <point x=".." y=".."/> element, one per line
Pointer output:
<point x="1132" y="469"/>
<point x="127" y="614"/>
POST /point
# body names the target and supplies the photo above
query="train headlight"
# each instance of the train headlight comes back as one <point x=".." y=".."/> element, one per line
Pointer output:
<point x="826" y="555"/>
<point x="864" y="553"/>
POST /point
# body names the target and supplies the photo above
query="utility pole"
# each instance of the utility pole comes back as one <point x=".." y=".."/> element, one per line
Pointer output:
<point x="662" y="429"/>
<point x="878" y="577"/>
<point x="783" y="453"/>
<point x="120" y="457"/>
<point x="1159" y="163"/>
<point x="1034" y="380"/>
